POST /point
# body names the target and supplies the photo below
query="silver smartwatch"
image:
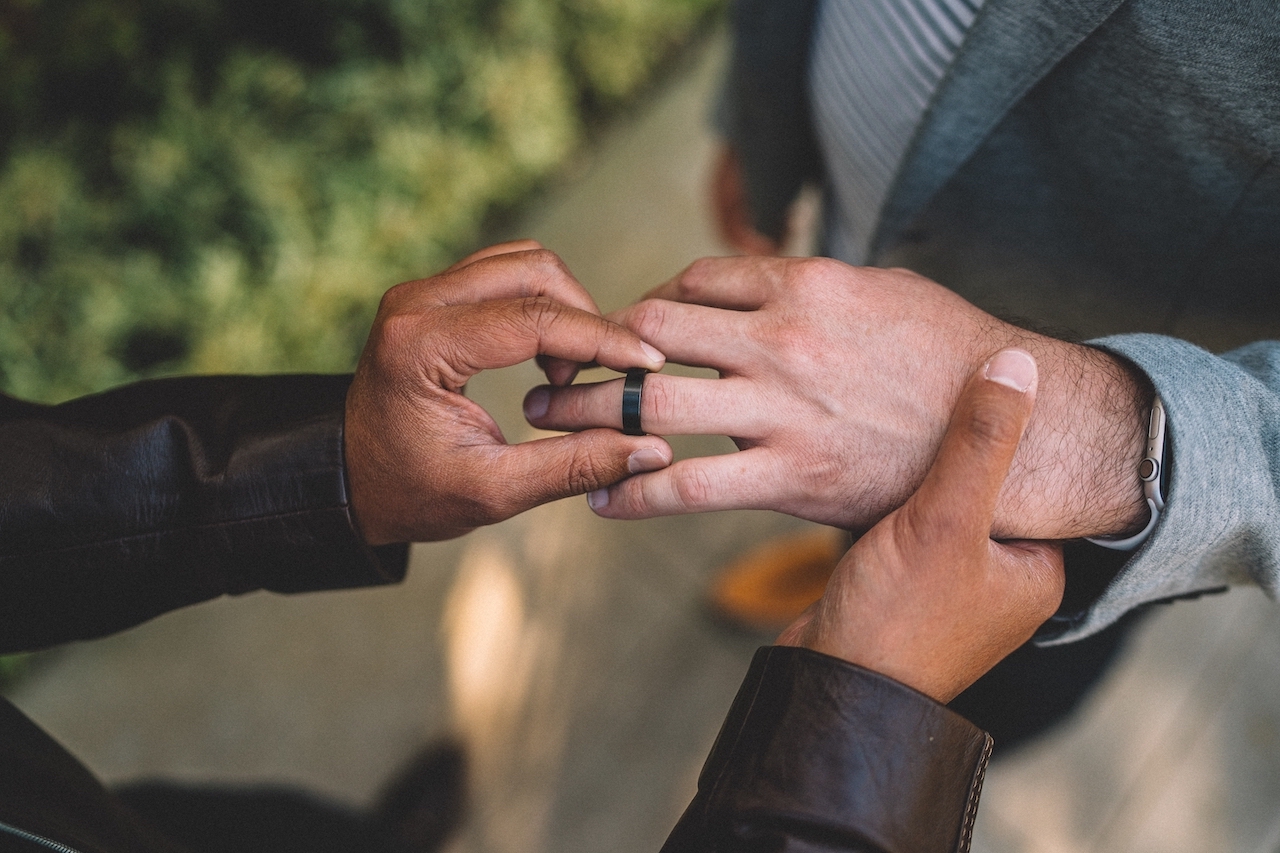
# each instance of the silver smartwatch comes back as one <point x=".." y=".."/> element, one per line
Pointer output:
<point x="1151" y="471"/>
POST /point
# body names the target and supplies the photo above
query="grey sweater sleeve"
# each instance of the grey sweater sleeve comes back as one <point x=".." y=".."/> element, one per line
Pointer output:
<point x="1221" y="523"/>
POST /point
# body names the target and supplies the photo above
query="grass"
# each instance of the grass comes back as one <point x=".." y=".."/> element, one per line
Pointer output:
<point x="229" y="187"/>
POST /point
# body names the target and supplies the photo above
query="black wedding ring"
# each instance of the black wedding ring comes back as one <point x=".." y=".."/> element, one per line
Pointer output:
<point x="632" y="392"/>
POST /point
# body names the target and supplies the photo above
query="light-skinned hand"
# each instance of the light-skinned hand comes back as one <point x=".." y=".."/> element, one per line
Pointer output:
<point x="423" y="461"/>
<point x="837" y="383"/>
<point x="926" y="597"/>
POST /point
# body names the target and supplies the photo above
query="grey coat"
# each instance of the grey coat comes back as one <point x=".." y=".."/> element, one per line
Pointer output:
<point x="1111" y="167"/>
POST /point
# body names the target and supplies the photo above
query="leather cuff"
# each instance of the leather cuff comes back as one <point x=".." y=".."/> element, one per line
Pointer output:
<point x="830" y="750"/>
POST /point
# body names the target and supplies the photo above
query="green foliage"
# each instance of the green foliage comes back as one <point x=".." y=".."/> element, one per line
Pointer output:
<point x="11" y="669"/>
<point x="197" y="186"/>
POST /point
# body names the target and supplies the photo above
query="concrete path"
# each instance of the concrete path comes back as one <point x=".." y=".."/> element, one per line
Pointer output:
<point x="574" y="657"/>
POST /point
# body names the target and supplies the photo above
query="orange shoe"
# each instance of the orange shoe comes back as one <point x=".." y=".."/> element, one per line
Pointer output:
<point x="769" y="586"/>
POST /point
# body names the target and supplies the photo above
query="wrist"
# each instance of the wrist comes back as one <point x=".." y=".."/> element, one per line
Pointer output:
<point x="361" y="490"/>
<point x="1076" y="473"/>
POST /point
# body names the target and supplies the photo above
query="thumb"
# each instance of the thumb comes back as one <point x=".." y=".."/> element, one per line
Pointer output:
<point x="958" y="496"/>
<point x="552" y="468"/>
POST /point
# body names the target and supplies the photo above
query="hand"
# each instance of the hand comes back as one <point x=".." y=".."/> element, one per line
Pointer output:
<point x="837" y="383"/>
<point x="732" y="212"/>
<point x="926" y="597"/>
<point x="423" y="461"/>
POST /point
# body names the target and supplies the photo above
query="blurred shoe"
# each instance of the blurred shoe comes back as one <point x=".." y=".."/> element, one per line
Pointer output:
<point x="425" y="803"/>
<point x="772" y="584"/>
<point x="421" y="807"/>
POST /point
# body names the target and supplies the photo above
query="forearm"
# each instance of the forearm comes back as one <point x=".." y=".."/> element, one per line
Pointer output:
<point x="121" y="506"/>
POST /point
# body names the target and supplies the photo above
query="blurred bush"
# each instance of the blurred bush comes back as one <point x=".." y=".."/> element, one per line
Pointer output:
<point x="229" y="185"/>
<point x="12" y="667"/>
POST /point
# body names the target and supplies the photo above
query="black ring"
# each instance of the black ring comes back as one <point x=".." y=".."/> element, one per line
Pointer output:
<point x="632" y="391"/>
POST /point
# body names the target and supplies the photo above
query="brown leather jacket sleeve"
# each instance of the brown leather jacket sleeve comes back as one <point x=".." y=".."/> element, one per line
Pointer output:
<point x="117" y="507"/>
<point x="820" y="755"/>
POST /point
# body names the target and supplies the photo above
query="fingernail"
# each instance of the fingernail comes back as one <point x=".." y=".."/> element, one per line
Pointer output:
<point x="654" y="356"/>
<point x="1012" y="367"/>
<point x="647" y="459"/>
<point x="536" y="403"/>
<point x="599" y="499"/>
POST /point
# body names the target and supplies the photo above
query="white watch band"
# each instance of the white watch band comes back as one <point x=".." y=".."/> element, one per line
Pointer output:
<point x="1151" y="473"/>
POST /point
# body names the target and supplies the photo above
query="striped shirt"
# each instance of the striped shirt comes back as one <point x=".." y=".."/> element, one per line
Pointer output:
<point x="876" y="64"/>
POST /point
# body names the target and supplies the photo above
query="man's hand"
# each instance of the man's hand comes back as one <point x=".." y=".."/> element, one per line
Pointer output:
<point x="926" y="597"/>
<point x="732" y="212"/>
<point x="837" y="384"/>
<point x="423" y="461"/>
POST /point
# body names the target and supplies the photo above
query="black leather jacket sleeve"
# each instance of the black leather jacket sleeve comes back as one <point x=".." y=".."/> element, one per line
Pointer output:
<point x="117" y="507"/>
<point x="817" y="754"/>
<point x="121" y="506"/>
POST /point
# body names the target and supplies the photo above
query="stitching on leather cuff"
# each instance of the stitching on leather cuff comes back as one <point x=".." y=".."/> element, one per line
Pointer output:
<point x="975" y="794"/>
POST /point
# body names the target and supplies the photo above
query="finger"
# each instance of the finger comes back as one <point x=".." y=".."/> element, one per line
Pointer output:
<point x="740" y="284"/>
<point x="496" y="249"/>
<point x="669" y="405"/>
<point x="552" y="468"/>
<point x="957" y="499"/>
<point x="558" y="371"/>
<point x="795" y="633"/>
<point x="702" y="336"/>
<point x="743" y="480"/>
<point x="506" y="274"/>
<point x="1029" y="581"/>
<point x="500" y="333"/>
<point x="693" y="335"/>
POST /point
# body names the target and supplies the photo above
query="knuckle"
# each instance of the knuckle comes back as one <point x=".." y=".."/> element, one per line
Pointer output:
<point x="392" y="298"/>
<point x="800" y="351"/>
<point x="807" y="268"/>
<point x="805" y="273"/>
<point x="398" y="301"/>
<point x="818" y="466"/>
<point x="548" y="265"/>
<point x="546" y="259"/>
<point x="536" y="312"/>
<point x="790" y="342"/>
<point x="646" y="318"/>
<point x="692" y="488"/>
<point x="392" y="337"/>
<point x="611" y="335"/>
<point x="660" y="403"/>
<point x="690" y="282"/>
<point x="585" y="470"/>
<point x="631" y="499"/>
